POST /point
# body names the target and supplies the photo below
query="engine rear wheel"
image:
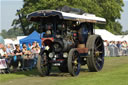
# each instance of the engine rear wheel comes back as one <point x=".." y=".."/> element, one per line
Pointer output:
<point x="43" y="65"/>
<point x="74" y="62"/>
<point x="95" y="60"/>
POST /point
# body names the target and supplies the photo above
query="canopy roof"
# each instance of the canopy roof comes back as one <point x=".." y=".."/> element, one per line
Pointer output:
<point x="36" y="16"/>
<point x="34" y="36"/>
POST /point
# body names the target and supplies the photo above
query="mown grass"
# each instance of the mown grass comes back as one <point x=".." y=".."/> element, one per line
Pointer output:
<point x="115" y="72"/>
<point x="118" y="76"/>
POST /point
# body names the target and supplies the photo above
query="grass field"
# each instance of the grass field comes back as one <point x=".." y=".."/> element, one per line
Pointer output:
<point x="115" y="72"/>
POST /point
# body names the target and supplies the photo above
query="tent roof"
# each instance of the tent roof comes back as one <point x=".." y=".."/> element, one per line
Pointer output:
<point x="125" y="38"/>
<point x="8" y="41"/>
<point x="34" y="36"/>
<point x="106" y="35"/>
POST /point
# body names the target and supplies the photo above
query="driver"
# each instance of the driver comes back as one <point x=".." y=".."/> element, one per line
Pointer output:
<point x="48" y="29"/>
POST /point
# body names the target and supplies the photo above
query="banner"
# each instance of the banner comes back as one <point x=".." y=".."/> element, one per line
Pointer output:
<point x="3" y="64"/>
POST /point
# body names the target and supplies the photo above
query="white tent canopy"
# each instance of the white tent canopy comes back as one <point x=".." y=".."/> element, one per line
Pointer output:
<point x="8" y="41"/>
<point x="20" y="37"/>
<point x="125" y="38"/>
<point x="106" y="35"/>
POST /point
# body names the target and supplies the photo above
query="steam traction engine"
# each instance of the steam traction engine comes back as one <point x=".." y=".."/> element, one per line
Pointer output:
<point x="69" y="41"/>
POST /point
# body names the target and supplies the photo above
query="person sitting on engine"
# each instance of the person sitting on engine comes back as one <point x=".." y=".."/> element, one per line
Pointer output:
<point x="48" y="30"/>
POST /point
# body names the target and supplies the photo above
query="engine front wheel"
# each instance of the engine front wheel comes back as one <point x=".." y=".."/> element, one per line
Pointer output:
<point x="43" y="65"/>
<point x="74" y="62"/>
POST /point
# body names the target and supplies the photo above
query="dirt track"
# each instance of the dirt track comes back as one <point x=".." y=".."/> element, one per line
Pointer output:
<point x="37" y="80"/>
<point x="31" y="81"/>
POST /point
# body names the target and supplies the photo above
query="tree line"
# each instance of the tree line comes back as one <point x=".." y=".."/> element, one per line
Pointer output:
<point x="109" y="9"/>
<point x="11" y="33"/>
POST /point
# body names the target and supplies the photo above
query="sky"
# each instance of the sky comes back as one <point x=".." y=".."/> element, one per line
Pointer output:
<point x="8" y="10"/>
<point x="124" y="16"/>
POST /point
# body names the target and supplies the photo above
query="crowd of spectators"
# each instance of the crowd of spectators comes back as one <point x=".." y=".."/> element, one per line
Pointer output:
<point x="116" y="48"/>
<point x="21" y="58"/>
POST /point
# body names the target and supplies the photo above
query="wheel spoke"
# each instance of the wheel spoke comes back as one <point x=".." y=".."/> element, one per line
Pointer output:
<point x="75" y="58"/>
<point x="98" y="45"/>
<point x="97" y="64"/>
<point x="99" y="59"/>
<point x="96" y="41"/>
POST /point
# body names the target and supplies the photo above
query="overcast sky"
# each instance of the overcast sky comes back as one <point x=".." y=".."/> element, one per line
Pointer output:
<point x="8" y="10"/>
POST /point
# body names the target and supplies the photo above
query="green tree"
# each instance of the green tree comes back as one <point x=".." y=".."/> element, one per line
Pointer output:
<point x="11" y="33"/>
<point x="109" y="9"/>
<point x="125" y="32"/>
<point x="112" y="11"/>
<point x="3" y="33"/>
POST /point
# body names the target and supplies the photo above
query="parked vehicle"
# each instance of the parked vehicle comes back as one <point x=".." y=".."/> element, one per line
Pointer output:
<point x="69" y="41"/>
